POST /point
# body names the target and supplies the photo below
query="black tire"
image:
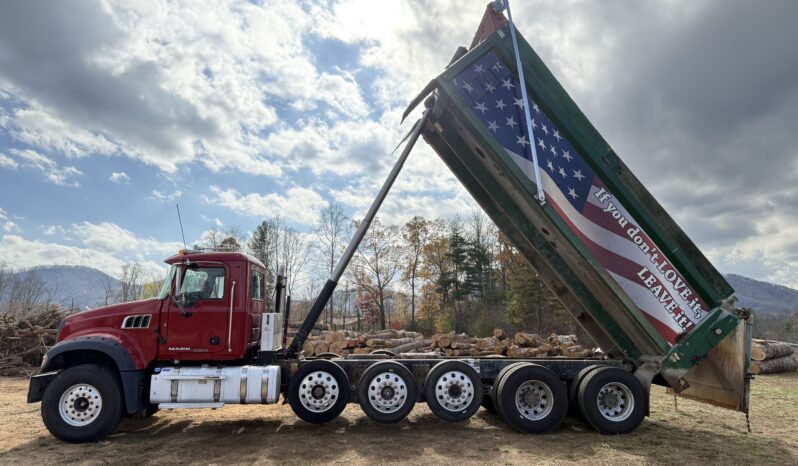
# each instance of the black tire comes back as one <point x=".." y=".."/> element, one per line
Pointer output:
<point x="573" y="389"/>
<point x="395" y="395"/>
<point x="628" y="400"/>
<point x="494" y="395"/>
<point x="548" y="399"/>
<point x="83" y="387"/>
<point x="330" y="394"/>
<point x="461" y="387"/>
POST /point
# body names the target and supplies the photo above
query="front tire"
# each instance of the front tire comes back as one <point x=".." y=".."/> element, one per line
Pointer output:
<point x="83" y="404"/>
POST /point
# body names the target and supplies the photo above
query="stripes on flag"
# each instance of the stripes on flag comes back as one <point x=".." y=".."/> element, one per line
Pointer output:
<point x="580" y="198"/>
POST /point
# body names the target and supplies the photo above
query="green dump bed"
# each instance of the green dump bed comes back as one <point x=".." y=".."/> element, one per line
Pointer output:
<point x="621" y="265"/>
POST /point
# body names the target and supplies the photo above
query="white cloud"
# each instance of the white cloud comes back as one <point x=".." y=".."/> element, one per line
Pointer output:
<point x="52" y="230"/>
<point x="53" y="172"/>
<point x="10" y="227"/>
<point x="3" y="214"/>
<point x="111" y="238"/>
<point x="166" y="197"/>
<point x="119" y="177"/>
<point x="300" y="205"/>
<point x="7" y="162"/>
<point x="19" y="252"/>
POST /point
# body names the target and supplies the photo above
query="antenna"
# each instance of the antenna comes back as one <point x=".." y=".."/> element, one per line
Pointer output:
<point x="179" y="219"/>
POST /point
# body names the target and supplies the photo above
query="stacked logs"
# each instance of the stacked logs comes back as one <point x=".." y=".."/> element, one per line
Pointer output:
<point x="521" y="345"/>
<point x="772" y="357"/>
<point x="24" y="340"/>
<point x="346" y="342"/>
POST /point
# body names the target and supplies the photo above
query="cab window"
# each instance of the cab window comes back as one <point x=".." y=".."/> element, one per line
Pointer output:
<point x="203" y="283"/>
<point x="256" y="286"/>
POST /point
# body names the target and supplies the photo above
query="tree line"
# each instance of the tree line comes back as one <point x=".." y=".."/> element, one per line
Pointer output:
<point x="430" y="275"/>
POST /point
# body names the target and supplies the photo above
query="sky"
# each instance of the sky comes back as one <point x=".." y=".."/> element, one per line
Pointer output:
<point x="113" y="111"/>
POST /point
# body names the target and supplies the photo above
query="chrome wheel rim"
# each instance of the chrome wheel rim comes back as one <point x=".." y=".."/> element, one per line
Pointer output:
<point x="80" y="405"/>
<point x="454" y="391"/>
<point x="387" y="392"/>
<point x="318" y="391"/>
<point x="534" y="400"/>
<point x="615" y="401"/>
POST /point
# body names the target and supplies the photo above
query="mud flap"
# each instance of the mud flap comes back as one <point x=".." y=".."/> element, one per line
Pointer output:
<point x="722" y="379"/>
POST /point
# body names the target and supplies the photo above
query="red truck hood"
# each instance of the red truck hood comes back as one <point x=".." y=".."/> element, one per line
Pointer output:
<point x="106" y="317"/>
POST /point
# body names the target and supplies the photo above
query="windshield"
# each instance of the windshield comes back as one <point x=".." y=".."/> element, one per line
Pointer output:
<point x="167" y="283"/>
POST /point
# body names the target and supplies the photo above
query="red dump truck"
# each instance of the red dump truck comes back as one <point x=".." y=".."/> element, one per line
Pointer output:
<point x="511" y="134"/>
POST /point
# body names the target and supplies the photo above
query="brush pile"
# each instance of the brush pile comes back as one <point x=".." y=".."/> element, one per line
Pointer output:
<point x="772" y="357"/>
<point x="24" y="340"/>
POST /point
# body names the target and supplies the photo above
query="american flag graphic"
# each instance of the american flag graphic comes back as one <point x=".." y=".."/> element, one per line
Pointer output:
<point x="491" y="90"/>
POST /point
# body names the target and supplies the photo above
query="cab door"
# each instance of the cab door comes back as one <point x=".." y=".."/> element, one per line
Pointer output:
<point x="197" y="324"/>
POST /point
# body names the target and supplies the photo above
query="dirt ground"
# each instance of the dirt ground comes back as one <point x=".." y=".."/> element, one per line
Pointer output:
<point x="695" y="433"/>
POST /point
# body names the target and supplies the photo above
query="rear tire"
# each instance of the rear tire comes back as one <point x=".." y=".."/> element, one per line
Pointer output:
<point x="387" y="392"/>
<point x="573" y="389"/>
<point x="453" y="390"/>
<point x="532" y="399"/>
<point x="319" y="391"/>
<point x="494" y="389"/>
<point x="83" y="404"/>
<point x="612" y="400"/>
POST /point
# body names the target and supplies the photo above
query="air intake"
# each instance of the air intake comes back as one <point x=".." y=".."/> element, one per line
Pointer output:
<point x="139" y="321"/>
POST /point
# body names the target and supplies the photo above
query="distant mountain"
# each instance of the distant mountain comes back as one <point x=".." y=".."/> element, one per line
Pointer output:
<point x="83" y="286"/>
<point x="763" y="296"/>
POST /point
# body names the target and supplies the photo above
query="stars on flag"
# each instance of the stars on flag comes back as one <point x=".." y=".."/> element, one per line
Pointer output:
<point x="572" y="193"/>
<point x="494" y="95"/>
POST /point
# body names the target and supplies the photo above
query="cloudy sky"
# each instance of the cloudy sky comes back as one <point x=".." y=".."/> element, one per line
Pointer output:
<point x="110" y="112"/>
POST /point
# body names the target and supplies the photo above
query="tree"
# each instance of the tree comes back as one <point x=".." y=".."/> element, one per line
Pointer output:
<point x="109" y="287"/>
<point x="378" y="264"/>
<point x="293" y="255"/>
<point x="330" y="233"/>
<point x="27" y="292"/>
<point x="131" y="282"/>
<point x="230" y="239"/>
<point x="264" y="245"/>
<point x="458" y="257"/>
<point x="415" y="236"/>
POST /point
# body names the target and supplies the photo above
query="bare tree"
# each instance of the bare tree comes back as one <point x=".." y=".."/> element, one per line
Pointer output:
<point x="264" y="245"/>
<point x="231" y="239"/>
<point x="131" y="282"/>
<point x="378" y="264"/>
<point x="415" y="236"/>
<point x="109" y="286"/>
<point x="293" y="256"/>
<point x="331" y="232"/>
<point x="28" y="291"/>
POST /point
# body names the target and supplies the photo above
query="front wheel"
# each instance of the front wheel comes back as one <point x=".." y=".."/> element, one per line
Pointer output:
<point x="83" y="404"/>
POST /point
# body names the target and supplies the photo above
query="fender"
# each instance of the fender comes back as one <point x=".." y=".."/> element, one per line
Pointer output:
<point x="132" y="377"/>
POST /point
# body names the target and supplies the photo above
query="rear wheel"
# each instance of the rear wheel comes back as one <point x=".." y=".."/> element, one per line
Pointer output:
<point x="532" y="399"/>
<point x="453" y="390"/>
<point x="387" y="392"/>
<point x="319" y="391"/>
<point x="612" y="400"/>
<point x="573" y="389"/>
<point x="83" y="404"/>
<point x="494" y="395"/>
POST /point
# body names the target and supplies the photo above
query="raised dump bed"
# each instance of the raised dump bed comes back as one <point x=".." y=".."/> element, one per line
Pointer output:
<point x="615" y="258"/>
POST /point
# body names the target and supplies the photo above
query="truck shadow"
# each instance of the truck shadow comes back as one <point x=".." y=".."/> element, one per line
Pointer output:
<point x="276" y="437"/>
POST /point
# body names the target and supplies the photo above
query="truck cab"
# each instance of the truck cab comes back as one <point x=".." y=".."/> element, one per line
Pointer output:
<point x="209" y="309"/>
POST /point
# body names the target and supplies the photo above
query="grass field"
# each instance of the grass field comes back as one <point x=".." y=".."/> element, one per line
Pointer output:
<point x="693" y="434"/>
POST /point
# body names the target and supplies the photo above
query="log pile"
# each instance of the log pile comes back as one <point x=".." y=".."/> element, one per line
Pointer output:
<point x="24" y="340"/>
<point x="346" y="342"/>
<point x="772" y="357"/>
<point x="521" y="345"/>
